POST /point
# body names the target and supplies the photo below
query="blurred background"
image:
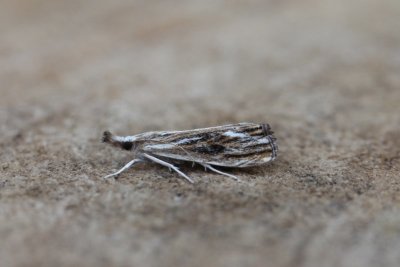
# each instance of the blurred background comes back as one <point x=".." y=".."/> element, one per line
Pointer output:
<point x="323" y="73"/>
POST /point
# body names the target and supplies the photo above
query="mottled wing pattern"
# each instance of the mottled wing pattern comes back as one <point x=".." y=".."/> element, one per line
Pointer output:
<point x="235" y="145"/>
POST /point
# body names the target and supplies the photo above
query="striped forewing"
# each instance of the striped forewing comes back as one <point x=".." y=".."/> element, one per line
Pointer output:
<point x="235" y="145"/>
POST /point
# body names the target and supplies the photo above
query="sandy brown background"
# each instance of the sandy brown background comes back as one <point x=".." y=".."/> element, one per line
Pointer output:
<point x="324" y="74"/>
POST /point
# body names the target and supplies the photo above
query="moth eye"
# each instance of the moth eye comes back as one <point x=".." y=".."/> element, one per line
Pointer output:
<point x="127" y="145"/>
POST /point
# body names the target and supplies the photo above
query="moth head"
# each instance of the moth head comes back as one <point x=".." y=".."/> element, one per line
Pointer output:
<point x="124" y="142"/>
<point x="107" y="137"/>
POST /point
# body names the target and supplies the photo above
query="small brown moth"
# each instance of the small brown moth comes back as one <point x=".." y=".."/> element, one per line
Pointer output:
<point x="234" y="145"/>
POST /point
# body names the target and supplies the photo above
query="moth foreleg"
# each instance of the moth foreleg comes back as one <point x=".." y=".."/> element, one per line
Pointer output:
<point x="169" y="165"/>
<point x="127" y="166"/>
<point x="207" y="166"/>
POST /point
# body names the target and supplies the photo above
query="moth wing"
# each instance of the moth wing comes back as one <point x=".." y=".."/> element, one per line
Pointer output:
<point x="236" y="145"/>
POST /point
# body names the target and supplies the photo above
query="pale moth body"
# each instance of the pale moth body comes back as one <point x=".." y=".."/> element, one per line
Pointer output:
<point x="234" y="145"/>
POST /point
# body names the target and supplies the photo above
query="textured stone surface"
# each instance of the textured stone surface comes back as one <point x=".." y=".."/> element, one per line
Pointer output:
<point x="324" y="74"/>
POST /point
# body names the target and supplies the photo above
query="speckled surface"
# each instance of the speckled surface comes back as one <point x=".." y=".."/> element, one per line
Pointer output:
<point x="324" y="74"/>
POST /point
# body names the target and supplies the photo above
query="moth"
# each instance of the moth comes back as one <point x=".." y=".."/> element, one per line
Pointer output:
<point x="234" y="146"/>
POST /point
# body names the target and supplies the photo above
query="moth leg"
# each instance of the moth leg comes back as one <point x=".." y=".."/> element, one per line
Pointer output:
<point x="127" y="166"/>
<point x="207" y="166"/>
<point x="170" y="166"/>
